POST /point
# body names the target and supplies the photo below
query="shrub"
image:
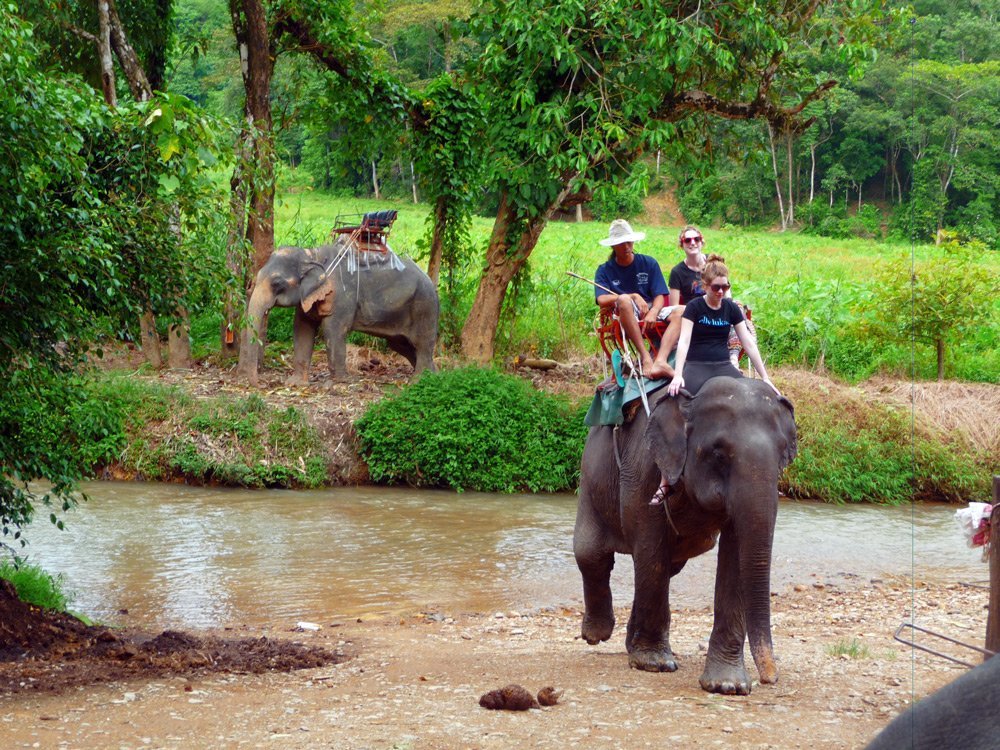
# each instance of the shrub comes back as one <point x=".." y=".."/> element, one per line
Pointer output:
<point x="473" y="429"/>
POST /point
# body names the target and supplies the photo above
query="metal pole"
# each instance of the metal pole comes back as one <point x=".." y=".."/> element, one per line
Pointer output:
<point x="993" y="619"/>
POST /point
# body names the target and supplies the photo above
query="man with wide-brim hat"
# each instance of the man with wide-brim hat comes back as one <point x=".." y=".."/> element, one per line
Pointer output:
<point x="632" y="285"/>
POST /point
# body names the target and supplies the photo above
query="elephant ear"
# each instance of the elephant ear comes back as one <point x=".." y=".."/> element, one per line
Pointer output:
<point x="317" y="294"/>
<point x="667" y="435"/>
<point x="786" y="419"/>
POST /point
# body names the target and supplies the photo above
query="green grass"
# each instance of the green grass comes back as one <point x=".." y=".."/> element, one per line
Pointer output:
<point x="852" y="649"/>
<point x="165" y="433"/>
<point x="808" y="293"/>
<point x="35" y="586"/>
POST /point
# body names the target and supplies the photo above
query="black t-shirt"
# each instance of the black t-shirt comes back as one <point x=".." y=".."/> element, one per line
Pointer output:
<point x="710" y="335"/>
<point x="687" y="281"/>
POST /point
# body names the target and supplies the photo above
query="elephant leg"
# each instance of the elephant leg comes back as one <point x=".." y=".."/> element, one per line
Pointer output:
<point x="647" y="638"/>
<point x="336" y="347"/>
<point x="402" y="345"/>
<point x="305" y="339"/>
<point x="595" y="559"/>
<point x="725" y="671"/>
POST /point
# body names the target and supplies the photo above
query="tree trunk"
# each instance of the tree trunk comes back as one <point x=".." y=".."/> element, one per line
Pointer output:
<point x="579" y="213"/>
<point x="939" y="344"/>
<point x="104" y="53"/>
<point x="256" y="56"/>
<point x="179" y="343"/>
<point x="378" y="195"/>
<point x="234" y="296"/>
<point x="993" y="612"/>
<point x="777" y="180"/>
<point x="503" y="261"/>
<point x="437" y="240"/>
<point x="149" y="340"/>
<point x="138" y="82"/>
<point x="413" y="181"/>
<point x="791" y="181"/>
<point x="812" y="173"/>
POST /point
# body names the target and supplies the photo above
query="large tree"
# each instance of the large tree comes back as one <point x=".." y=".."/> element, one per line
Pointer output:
<point x="579" y="90"/>
<point x="87" y="195"/>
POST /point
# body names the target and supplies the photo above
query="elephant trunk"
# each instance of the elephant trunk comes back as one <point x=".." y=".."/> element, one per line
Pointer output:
<point x="756" y="535"/>
<point x="254" y="332"/>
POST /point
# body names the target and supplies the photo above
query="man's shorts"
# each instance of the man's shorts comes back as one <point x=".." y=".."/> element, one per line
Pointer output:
<point x="663" y="314"/>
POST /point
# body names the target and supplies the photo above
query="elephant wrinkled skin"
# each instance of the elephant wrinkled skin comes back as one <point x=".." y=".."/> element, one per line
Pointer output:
<point x="723" y="451"/>
<point x="340" y="289"/>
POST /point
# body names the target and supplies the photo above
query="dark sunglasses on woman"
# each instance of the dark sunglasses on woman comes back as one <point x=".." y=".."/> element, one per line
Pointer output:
<point x="720" y="287"/>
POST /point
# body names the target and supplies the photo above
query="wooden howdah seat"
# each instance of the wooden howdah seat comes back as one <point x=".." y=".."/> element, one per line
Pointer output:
<point x="611" y="336"/>
<point x="370" y="230"/>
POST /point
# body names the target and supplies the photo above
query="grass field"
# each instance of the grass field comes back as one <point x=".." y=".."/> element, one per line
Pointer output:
<point x="810" y="295"/>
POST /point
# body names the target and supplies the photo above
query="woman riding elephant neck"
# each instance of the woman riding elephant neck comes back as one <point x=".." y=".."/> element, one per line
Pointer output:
<point x="702" y="350"/>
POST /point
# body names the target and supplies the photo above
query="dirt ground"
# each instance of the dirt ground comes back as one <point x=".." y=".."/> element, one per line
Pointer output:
<point x="414" y="682"/>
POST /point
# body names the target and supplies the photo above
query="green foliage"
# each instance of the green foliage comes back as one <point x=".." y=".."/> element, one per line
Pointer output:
<point x="473" y="429"/>
<point x="936" y="302"/>
<point x="854" y="451"/>
<point x="87" y="199"/>
<point x="612" y="201"/>
<point x="34" y="586"/>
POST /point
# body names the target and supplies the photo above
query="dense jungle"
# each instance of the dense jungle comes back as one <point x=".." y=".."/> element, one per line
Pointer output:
<point x="157" y="153"/>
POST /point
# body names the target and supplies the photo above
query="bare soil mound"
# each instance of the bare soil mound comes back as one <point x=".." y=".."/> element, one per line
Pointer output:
<point x="47" y="651"/>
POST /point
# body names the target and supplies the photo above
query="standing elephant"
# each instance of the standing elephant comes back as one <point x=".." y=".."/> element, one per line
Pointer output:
<point x="723" y="451"/>
<point x="341" y="289"/>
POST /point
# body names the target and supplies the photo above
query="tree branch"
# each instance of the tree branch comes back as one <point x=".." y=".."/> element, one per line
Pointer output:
<point x="347" y="64"/>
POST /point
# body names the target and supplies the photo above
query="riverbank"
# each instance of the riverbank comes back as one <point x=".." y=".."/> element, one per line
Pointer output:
<point x="414" y="682"/>
<point x="882" y="441"/>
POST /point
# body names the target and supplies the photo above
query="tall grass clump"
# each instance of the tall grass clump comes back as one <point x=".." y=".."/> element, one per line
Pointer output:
<point x="35" y="586"/>
<point x="854" y="449"/>
<point x="473" y="429"/>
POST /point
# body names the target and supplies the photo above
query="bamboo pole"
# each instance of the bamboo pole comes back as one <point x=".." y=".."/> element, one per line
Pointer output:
<point x="993" y="618"/>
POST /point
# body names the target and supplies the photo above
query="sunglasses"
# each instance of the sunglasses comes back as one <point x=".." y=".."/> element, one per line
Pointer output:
<point x="692" y="240"/>
<point x="720" y="287"/>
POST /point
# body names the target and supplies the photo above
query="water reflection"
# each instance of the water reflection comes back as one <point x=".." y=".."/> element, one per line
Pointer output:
<point x="177" y="556"/>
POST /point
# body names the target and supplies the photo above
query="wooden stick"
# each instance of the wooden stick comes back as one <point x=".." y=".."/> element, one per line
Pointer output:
<point x="584" y="278"/>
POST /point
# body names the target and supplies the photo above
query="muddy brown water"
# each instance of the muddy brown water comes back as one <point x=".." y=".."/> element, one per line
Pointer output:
<point x="192" y="557"/>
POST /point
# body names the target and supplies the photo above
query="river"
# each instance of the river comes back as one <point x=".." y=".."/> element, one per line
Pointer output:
<point x="195" y="557"/>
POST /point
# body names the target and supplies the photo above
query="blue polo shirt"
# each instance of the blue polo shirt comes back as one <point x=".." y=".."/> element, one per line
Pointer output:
<point x="643" y="275"/>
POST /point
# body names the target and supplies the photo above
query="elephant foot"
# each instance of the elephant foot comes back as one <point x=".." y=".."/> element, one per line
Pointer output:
<point x="597" y="629"/>
<point x="767" y="669"/>
<point x="725" y="679"/>
<point x="652" y="660"/>
<point x="295" y="379"/>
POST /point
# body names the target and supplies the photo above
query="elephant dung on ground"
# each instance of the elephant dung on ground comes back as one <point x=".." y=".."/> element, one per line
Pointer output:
<point x="723" y="451"/>
<point x="341" y="288"/>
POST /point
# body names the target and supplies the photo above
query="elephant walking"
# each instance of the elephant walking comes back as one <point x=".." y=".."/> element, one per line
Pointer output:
<point x="723" y="451"/>
<point x="341" y="289"/>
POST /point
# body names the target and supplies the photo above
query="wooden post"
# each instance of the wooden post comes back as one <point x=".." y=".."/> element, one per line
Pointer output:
<point x="993" y="618"/>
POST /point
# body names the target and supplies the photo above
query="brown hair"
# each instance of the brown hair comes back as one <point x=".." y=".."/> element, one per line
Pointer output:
<point x="715" y="266"/>
<point x="685" y="230"/>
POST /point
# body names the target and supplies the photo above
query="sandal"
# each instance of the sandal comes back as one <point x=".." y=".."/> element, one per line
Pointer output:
<point x="660" y="495"/>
